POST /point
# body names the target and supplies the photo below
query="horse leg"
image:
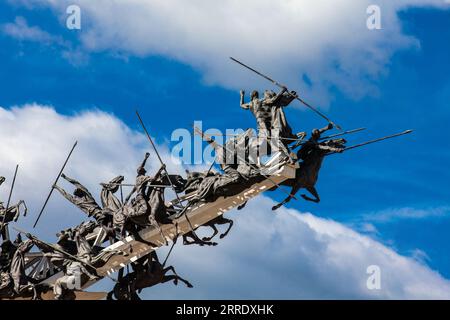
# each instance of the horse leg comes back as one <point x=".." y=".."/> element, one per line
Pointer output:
<point x="292" y="195"/>
<point x="313" y="191"/>
<point x="134" y="296"/>
<point x="196" y="240"/>
<point x="230" y="225"/>
<point x="186" y="242"/>
<point x="35" y="294"/>
<point x="175" y="277"/>
<point x="242" y="206"/>
<point x="170" y="277"/>
<point x="178" y="278"/>
<point x="130" y="287"/>
<point x="212" y="226"/>
<point x="109" y="296"/>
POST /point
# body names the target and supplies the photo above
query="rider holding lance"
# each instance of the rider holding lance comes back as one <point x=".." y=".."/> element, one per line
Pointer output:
<point x="145" y="194"/>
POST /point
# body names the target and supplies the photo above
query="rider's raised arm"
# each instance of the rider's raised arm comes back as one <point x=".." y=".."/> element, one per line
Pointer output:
<point x="64" y="193"/>
<point x="244" y="105"/>
<point x="142" y="166"/>
<point x="76" y="184"/>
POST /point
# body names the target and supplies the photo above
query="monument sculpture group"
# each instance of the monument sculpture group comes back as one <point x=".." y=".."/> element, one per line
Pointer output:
<point x="121" y="233"/>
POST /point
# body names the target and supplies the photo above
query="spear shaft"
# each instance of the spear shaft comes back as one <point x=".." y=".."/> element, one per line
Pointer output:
<point x="379" y="139"/>
<point x="12" y="187"/>
<point x="293" y="139"/>
<point x="295" y="96"/>
<point x="342" y="133"/>
<point x="157" y="153"/>
<point x="301" y="142"/>
<point x="374" y="141"/>
<point x="56" y="181"/>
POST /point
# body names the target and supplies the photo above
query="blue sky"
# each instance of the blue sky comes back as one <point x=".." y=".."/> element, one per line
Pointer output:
<point x="368" y="186"/>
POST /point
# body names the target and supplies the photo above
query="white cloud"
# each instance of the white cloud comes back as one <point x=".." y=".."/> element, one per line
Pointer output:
<point x="39" y="139"/>
<point x="267" y="255"/>
<point x="395" y="214"/>
<point x="20" y="30"/>
<point x="326" y="42"/>
<point x="289" y="255"/>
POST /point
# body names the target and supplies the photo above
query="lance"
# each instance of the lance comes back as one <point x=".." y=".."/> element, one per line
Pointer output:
<point x="295" y="96"/>
<point x="301" y="142"/>
<point x="53" y="186"/>
<point x="3" y="225"/>
<point x="376" y="140"/>
<point x="268" y="137"/>
<point x="168" y="177"/>
<point x="12" y="187"/>
<point x="159" y="157"/>
<point x="342" y="133"/>
<point x="199" y="132"/>
<point x="170" y="251"/>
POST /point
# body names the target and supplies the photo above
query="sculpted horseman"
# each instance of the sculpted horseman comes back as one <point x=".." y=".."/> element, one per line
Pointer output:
<point x="148" y="204"/>
<point x="271" y="119"/>
<point x="141" y="203"/>
<point x="261" y="109"/>
<point x="9" y="214"/>
<point x="21" y="282"/>
<point x="311" y="154"/>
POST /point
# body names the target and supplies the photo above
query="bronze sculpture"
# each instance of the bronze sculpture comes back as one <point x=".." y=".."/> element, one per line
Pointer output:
<point x="120" y="225"/>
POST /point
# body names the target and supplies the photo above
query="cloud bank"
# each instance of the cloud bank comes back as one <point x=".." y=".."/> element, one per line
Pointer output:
<point x="313" y="46"/>
<point x="39" y="139"/>
<point x="287" y="255"/>
<point x="291" y="255"/>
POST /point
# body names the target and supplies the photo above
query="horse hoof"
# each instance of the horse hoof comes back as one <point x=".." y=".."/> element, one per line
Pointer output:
<point x="190" y="285"/>
<point x="222" y="236"/>
<point x="206" y="239"/>
<point x="275" y="208"/>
